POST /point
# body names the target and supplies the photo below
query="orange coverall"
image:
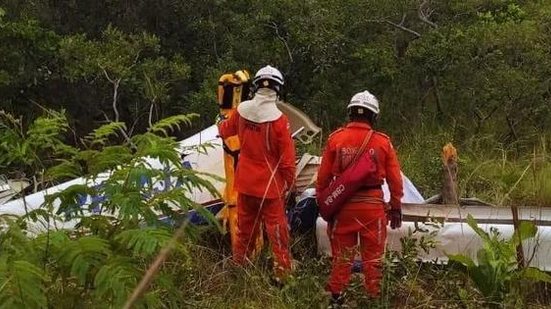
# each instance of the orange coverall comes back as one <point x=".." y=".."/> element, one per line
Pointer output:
<point x="363" y="215"/>
<point x="265" y="171"/>
<point x="230" y="195"/>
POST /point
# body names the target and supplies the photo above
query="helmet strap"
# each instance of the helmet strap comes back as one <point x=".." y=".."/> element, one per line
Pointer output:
<point x="266" y="83"/>
<point x="362" y="114"/>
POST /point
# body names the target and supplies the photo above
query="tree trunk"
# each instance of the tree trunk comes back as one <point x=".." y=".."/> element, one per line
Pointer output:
<point x="449" y="177"/>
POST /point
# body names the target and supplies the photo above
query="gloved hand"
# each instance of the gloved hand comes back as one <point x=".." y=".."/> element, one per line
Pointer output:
<point x="395" y="218"/>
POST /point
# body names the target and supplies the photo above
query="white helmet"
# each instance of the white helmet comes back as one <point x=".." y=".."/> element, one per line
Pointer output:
<point x="270" y="77"/>
<point x="365" y="99"/>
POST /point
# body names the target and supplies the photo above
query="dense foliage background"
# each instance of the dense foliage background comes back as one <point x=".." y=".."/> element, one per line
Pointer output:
<point x="472" y="67"/>
<point x="474" y="72"/>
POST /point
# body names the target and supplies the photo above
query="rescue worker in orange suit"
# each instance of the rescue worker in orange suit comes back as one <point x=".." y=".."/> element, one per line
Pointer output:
<point x="365" y="215"/>
<point x="265" y="170"/>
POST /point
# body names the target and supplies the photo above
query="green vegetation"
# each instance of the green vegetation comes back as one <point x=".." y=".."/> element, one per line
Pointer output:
<point x="496" y="272"/>
<point x="489" y="170"/>
<point x="93" y="86"/>
<point x="115" y="239"/>
<point x="471" y="72"/>
<point x="100" y="262"/>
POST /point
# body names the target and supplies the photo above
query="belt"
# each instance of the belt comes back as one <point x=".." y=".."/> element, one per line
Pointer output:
<point x="366" y="199"/>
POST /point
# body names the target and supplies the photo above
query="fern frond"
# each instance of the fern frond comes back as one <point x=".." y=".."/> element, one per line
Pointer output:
<point x="116" y="279"/>
<point x="51" y="244"/>
<point x="11" y="137"/>
<point x="106" y="159"/>
<point x="43" y="139"/>
<point x="62" y="149"/>
<point x="45" y="131"/>
<point x="161" y="200"/>
<point x="162" y="148"/>
<point x="178" y="197"/>
<point x="101" y="135"/>
<point x="36" y="214"/>
<point x="15" y="244"/>
<point x="192" y="179"/>
<point x="65" y="169"/>
<point x="84" y="256"/>
<point x="70" y="199"/>
<point x="171" y="123"/>
<point x="140" y="176"/>
<point x="127" y="204"/>
<point x="99" y="225"/>
<point x="144" y="242"/>
<point x="21" y="285"/>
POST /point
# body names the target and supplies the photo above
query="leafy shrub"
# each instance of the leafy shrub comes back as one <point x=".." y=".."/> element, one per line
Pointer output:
<point x="496" y="272"/>
<point x="116" y="236"/>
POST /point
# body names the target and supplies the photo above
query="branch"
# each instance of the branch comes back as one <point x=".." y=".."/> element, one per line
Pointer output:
<point x="274" y="26"/>
<point x="153" y="100"/>
<point x="415" y="33"/>
<point x="150" y="118"/>
<point x="513" y="131"/>
<point x="424" y="13"/>
<point x="115" y="96"/>
<point x="131" y="129"/>
<point x="106" y="74"/>
<point x="70" y="128"/>
<point x="484" y="118"/>
<point x="437" y="96"/>
<point x="399" y="26"/>
<point x="115" y="84"/>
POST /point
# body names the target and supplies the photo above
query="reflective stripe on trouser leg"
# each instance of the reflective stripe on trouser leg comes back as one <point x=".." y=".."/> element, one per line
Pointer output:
<point x="372" y="241"/>
<point x="274" y="219"/>
<point x="343" y="247"/>
<point x="249" y="221"/>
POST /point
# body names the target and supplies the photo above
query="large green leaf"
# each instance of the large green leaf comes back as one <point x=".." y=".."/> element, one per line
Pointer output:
<point x="535" y="274"/>
<point x="526" y="230"/>
<point x="462" y="259"/>
<point x="474" y="225"/>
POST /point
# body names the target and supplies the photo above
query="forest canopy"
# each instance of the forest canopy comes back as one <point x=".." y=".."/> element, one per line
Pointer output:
<point x="472" y="67"/>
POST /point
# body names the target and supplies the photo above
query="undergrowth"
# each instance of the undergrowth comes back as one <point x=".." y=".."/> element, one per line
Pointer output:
<point x="407" y="283"/>
<point x="99" y="262"/>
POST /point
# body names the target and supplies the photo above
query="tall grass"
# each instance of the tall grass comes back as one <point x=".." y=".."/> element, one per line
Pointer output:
<point x="211" y="280"/>
<point x="501" y="174"/>
<point x="498" y="173"/>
